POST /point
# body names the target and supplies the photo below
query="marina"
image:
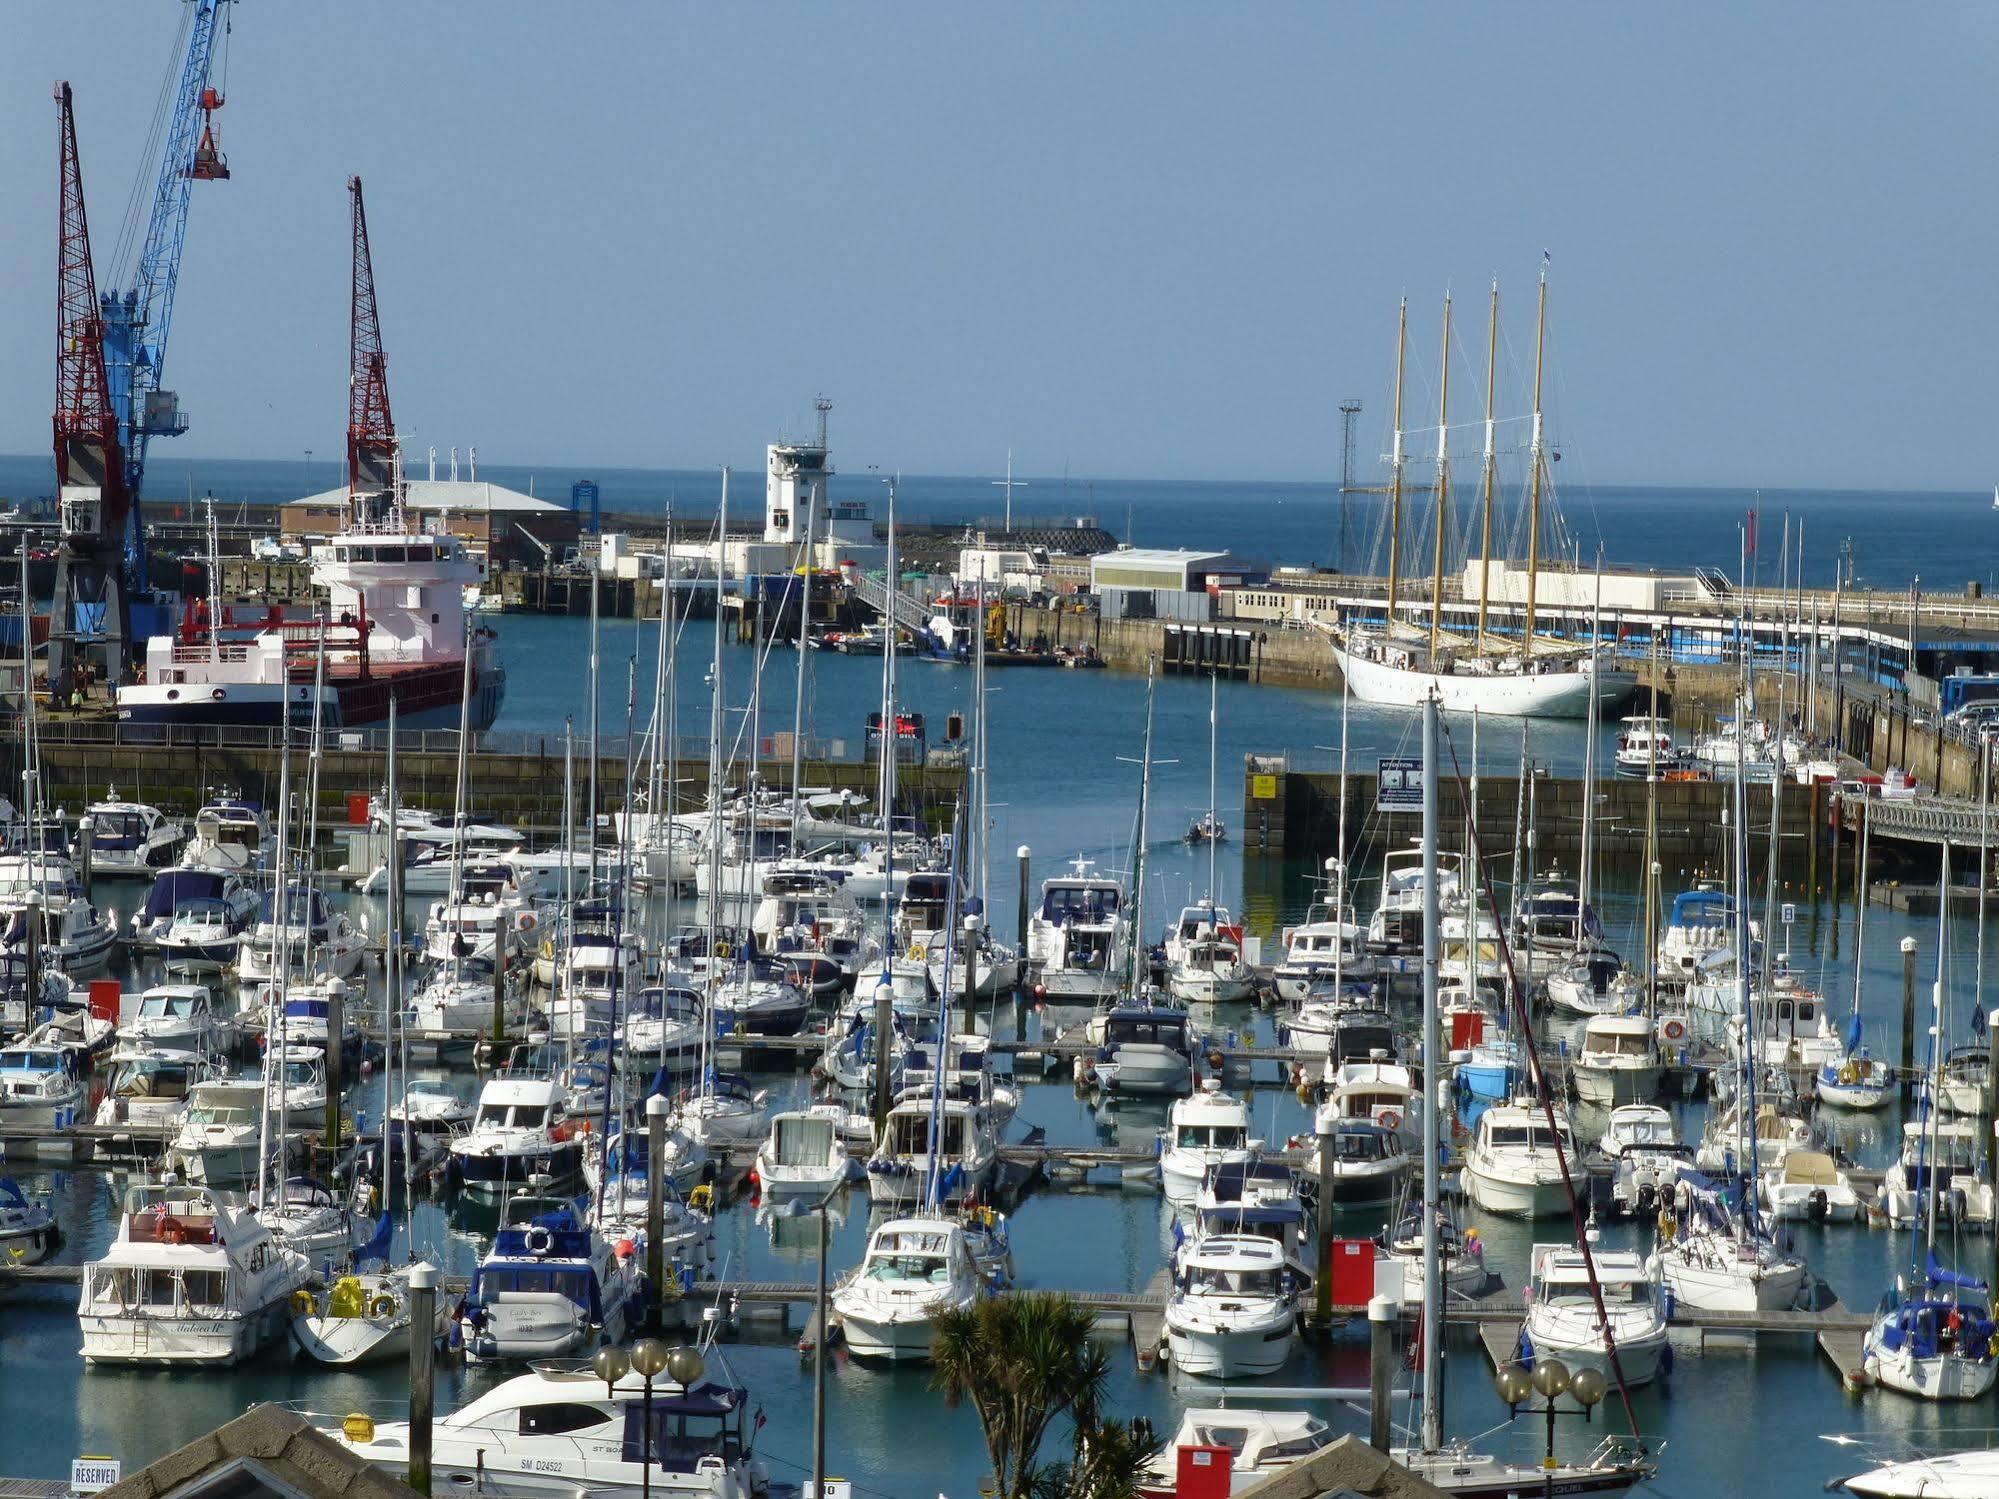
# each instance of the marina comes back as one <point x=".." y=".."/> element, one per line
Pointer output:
<point x="791" y="955"/>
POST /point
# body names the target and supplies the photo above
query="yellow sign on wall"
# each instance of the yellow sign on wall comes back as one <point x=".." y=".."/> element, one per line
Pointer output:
<point x="1263" y="788"/>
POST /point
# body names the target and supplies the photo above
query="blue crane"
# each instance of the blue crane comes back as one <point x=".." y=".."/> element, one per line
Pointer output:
<point x="136" y="321"/>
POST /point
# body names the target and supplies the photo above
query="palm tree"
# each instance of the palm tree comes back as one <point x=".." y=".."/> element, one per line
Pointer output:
<point x="1110" y="1461"/>
<point x="1022" y="1359"/>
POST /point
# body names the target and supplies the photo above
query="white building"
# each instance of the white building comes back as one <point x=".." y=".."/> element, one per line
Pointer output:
<point x="1569" y="589"/>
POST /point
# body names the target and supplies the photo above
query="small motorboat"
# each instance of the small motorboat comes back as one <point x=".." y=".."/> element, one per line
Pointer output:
<point x="804" y="1152"/>
<point x="28" y="1232"/>
<point x="1808" y="1184"/>
<point x="914" y="1269"/>
<point x="1233" y="1311"/>
<point x="1562" y="1320"/>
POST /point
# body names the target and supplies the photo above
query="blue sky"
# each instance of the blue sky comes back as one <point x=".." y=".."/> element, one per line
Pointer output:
<point x="1132" y="239"/>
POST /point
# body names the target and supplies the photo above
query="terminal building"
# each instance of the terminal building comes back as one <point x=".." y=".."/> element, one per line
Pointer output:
<point x="1159" y="583"/>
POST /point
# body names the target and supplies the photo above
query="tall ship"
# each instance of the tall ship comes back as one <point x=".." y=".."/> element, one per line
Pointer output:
<point x="1403" y="661"/>
<point x="393" y="626"/>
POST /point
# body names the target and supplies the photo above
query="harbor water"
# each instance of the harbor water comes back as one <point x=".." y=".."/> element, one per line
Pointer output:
<point x="1065" y="785"/>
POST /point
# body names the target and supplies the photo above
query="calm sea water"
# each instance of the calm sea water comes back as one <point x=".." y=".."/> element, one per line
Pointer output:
<point x="1064" y="784"/>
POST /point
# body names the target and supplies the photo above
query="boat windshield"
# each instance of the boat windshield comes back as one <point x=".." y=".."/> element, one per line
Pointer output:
<point x="1062" y="903"/>
<point x="1216" y="1281"/>
<point x="164" y="1006"/>
<point x="523" y="1115"/>
<point x="22" y="1059"/>
<point x="1212" y="1137"/>
<point x="1520" y="1137"/>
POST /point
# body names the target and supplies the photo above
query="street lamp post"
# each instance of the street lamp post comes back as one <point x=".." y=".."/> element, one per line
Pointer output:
<point x="1551" y="1380"/>
<point x="649" y="1357"/>
<point x="819" y="1210"/>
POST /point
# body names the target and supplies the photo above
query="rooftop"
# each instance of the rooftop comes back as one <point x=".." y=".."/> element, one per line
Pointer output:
<point x="266" y="1451"/>
<point x="456" y="495"/>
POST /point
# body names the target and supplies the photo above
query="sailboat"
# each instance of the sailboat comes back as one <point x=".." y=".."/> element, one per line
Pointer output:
<point x="1859" y="1079"/>
<point x="1933" y="1338"/>
<point x="1400" y="665"/>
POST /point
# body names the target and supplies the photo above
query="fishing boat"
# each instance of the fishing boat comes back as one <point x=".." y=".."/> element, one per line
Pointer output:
<point x="551" y="1285"/>
<point x="1233" y="1310"/>
<point x="1202" y="1131"/>
<point x="1645" y="748"/>
<point x="914" y="1269"/>
<point x="554" y="1432"/>
<point x="1563" y="1321"/>
<point x="193" y="1277"/>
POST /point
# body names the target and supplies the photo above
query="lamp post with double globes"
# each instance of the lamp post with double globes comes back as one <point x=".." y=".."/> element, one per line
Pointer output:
<point x="1550" y="1380"/>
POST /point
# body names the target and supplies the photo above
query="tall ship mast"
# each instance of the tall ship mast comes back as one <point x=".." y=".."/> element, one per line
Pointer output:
<point x="394" y="625"/>
<point x="1399" y="663"/>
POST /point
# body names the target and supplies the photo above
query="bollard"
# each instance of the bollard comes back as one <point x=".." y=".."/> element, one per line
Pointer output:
<point x="1022" y="853"/>
<point x="499" y="987"/>
<point x="336" y="1062"/>
<point x="1322" y="1283"/>
<point x="1381" y="1315"/>
<point x="1908" y="1013"/>
<point x="656" y="1112"/>
<point x="423" y="1344"/>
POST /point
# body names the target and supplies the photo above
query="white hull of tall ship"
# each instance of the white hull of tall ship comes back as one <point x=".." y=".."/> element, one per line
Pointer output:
<point x="1557" y="692"/>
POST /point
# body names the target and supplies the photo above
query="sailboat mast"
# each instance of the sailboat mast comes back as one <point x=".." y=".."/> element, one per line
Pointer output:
<point x="1536" y="460"/>
<point x="1487" y="470"/>
<point x="889" y="749"/>
<point x="1443" y="496"/>
<point x="804" y="650"/>
<point x="1586" y="861"/>
<point x="716" y="973"/>
<point x="1213" y="678"/>
<point x="1339" y="882"/>
<point x="1395" y="475"/>
<point x="1433" y="1291"/>
<point x="590" y="816"/>
<point x="1652" y="842"/>
<point x="1137" y="939"/>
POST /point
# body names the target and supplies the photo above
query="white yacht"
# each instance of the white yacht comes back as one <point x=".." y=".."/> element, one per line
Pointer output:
<point x="1396" y="927"/>
<point x="550" y="1286"/>
<point x="966" y="1152"/>
<point x="1259" y="1443"/>
<point x="360" y="1319"/>
<point x="1643" y="1145"/>
<point x="204" y="935"/>
<point x="555" y="1434"/>
<point x="148" y="1085"/>
<point x="1234" y="1310"/>
<point x="1701" y="926"/>
<point x="1619" y="1062"/>
<point x="230" y="835"/>
<point x="1938" y="1171"/>
<point x="1562" y="1320"/>
<point x="1934" y="1342"/>
<point x="1145" y="1049"/>
<point x="516" y="1135"/>
<point x="192" y="1278"/>
<point x="1514" y="1166"/>
<point x="28" y="1230"/>
<point x="1374" y="1092"/>
<point x="131" y="839"/>
<point x="38" y="1082"/>
<point x="1645" y="747"/>
<point x="1204" y="963"/>
<point x="1328" y="947"/>
<point x="1206" y="1129"/>
<point x="1079" y="939"/>
<point x="1808" y="1184"/>
<point x="914" y="1269"/>
<point x="1370" y="1164"/>
<point x="320" y="942"/>
<point x="805" y="1151"/>
<point x="178" y="1017"/>
<point x="220" y="1133"/>
<point x="1714" y="1262"/>
<point x="1592" y="980"/>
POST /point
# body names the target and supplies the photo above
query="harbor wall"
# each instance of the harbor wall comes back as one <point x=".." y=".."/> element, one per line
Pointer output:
<point x="1295" y="815"/>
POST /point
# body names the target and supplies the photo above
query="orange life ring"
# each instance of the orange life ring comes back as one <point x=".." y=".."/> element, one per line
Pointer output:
<point x="1674" y="1029"/>
<point x="1389" y="1119"/>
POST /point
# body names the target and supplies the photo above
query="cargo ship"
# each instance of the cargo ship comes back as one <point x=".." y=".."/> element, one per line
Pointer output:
<point x="393" y="628"/>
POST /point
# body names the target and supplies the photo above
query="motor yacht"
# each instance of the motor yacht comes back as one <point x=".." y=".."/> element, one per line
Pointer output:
<point x="663" y="1026"/>
<point x="1592" y="980"/>
<point x="551" y="1285"/>
<point x="965" y="1151"/>
<point x="1562" y="1318"/>
<point x="1643" y="1145"/>
<point x="1202" y="1131"/>
<point x="914" y="1269"/>
<point x="193" y="1277"/>
<point x="204" y="936"/>
<point x="805" y="1152"/>
<point x="1204" y="963"/>
<point x="1145" y="1049"/>
<point x="1645" y="748"/>
<point x="1619" y="1062"/>
<point x="230" y="835"/>
<point x="178" y="1017"/>
<point x="517" y="1136"/>
<point x="1808" y="1185"/>
<point x="1327" y="947"/>
<point x="28" y="1230"/>
<point x="1233" y="1310"/>
<point x="130" y="840"/>
<point x="1370" y="1164"/>
<point x="1938" y="1171"/>
<point x="1460" y="1255"/>
<point x="1514" y="1167"/>
<point x="39" y="1083"/>
<point x="1396" y="927"/>
<point x="175" y="888"/>
<point x="725" y="1109"/>
<point x="554" y="1433"/>
<point x="220" y="1133"/>
<point x="1079" y="938"/>
<point x="149" y="1086"/>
